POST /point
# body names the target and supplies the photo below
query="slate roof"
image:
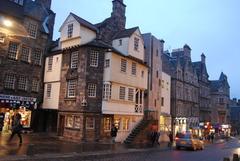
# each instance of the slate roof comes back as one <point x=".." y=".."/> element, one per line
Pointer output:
<point x="125" y="33"/>
<point x="84" y="22"/>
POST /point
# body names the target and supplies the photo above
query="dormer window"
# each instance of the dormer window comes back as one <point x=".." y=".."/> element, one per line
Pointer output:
<point x="70" y="30"/>
<point x="120" y="42"/>
<point x="136" y="43"/>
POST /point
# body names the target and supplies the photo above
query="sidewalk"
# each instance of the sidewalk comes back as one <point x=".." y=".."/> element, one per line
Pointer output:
<point x="43" y="146"/>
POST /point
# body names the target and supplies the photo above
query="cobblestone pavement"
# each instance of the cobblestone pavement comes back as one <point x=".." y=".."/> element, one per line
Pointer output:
<point x="213" y="152"/>
<point x="51" y="149"/>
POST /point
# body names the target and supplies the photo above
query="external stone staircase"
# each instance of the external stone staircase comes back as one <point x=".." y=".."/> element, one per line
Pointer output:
<point x="140" y="134"/>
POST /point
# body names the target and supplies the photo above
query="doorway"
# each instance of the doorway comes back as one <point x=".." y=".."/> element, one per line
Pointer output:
<point x="61" y="125"/>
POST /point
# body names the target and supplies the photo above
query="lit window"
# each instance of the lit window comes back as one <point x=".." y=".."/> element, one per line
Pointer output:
<point x="107" y="63"/>
<point x="107" y="124"/>
<point x="12" y="50"/>
<point x="90" y="123"/>
<point x="49" y="88"/>
<point x="9" y="81"/>
<point x="122" y="93"/>
<point x="25" y="54"/>
<point x="123" y="65"/>
<point x="70" y="30"/>
<point x="37" y="57"/>
<point x="125" y="123"/>
<point x="22" y="83"/>
<point x="130" y="94"/>
<point x="107" y="89"/>
<point x="77" y="122"/>
<point x="69" y="121"/>
<point x="71" y="92"/>
<point x="35" y="85"/>
<point x="50" y="63"/>
<point x="134" y="68"/>
<point x="94" y="58"/>
<point x="92" y="90"/>
<point x="32" y="30"/>
<point x="74" y="59"/>
<point x="136" y="43"/>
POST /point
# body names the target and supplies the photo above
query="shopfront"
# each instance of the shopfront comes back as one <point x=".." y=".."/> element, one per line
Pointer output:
<point x="10" y="105"/>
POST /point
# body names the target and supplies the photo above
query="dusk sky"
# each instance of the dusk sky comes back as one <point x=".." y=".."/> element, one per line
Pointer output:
<point x="211" y="27"/>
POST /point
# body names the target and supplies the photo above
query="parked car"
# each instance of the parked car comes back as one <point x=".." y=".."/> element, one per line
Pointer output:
<point x="189" y="141"/>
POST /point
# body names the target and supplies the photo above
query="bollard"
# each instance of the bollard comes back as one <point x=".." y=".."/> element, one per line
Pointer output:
<point x="226" y="159"/>
<point x="235" y="157"/>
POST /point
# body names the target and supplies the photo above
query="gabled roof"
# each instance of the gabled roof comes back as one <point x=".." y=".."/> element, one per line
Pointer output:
<point x="82" y="22"/>
<point x="125" y="33"/>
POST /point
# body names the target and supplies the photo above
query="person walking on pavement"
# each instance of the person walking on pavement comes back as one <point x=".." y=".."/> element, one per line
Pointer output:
<point x="16" y="128"/>
<point x="170" y="135"/>
<point x="212" y="137"/>
<point x="114" y="131"/>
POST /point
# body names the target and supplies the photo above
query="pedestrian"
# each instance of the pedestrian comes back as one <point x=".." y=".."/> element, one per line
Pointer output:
<point x="16" y="128"/>
<point x="114" y="131"/>
<point x="170" y="135"/>
<point x="212" y="137"/>
<point x="154" y="137"/>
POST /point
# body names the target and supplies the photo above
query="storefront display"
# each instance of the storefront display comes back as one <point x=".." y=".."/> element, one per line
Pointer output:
<point x="10" y="105"/>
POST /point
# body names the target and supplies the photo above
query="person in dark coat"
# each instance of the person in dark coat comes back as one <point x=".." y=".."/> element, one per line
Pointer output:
<point x="170" y="135"/>
<point x="114" y="131"/>
<point x="16" y="128"/>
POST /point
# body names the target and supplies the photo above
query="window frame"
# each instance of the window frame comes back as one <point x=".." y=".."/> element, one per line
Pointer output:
<point x="92" y="90"/>
<point x="71" y="90"/>
<point x="107" y="63"/>
<point x="122" y="93"/>
<point x="50" y="63"/>
<point x="11" y="83"/>
<point x="32" y="30"/>
<point x="107" y="91"/>
<point x="136" y="43"/>
<point x="35" y="85"/>
<point x="94" y="56"/>
<point x="131" y="94"/>
<point x="123" y="67"/>
<point x="49" y="90"/>
<point x="70" y="30"/>
<point x="13" y="50"/>
<point x="74" y="60"/>
<point x="37" y="56"/>
<point x="92" y="123"/>
<point x="134" y="68"/>
<point x="22" y="83"/>
<point x="25" y="56"/>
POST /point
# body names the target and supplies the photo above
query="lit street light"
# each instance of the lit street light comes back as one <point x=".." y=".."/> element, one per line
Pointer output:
<point x="7" y="23"/>
<point x="9" y="27"/>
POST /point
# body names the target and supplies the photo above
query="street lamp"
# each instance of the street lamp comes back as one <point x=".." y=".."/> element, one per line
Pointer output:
<point x="7" y="23"/>
<point x="10" y="27"/>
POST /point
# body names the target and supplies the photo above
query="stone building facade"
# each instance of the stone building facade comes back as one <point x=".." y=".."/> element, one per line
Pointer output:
<point x="26" y="31"/>
<point x="153" y="52"/>
<point x="184" y="89"/>
<point x="204" y="90"/>
<point x="234" y="108"/>
<point x="220" y="99"/>
<point x="80" y="115"/>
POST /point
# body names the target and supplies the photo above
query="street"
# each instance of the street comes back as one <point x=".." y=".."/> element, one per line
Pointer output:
<point x="46" y="148"/>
